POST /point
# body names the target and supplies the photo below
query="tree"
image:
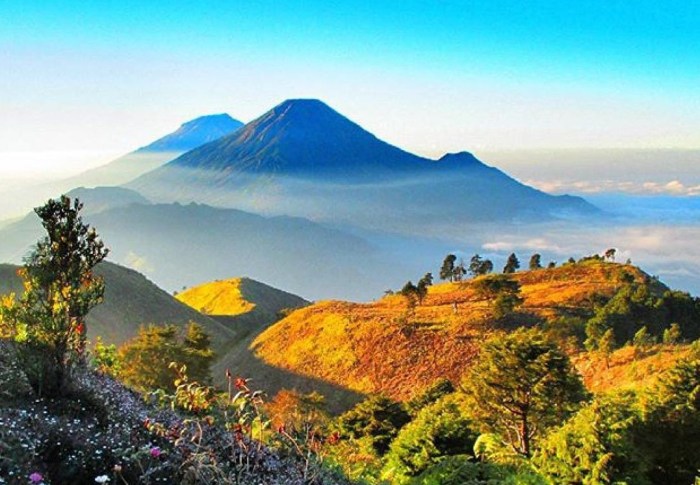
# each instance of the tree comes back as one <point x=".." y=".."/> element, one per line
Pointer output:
<point x="479" y="266"/>
<point x="439" y="430"/>
<point x="597" y="445"/>
<point x="197" y="353"/>
<point x="60" y="289"/>
<point x="460" y="271"/>
<point x="447" y="271"/>
<point x="672" y="335"/>
<point x="422" y="286"/>
<point x="535" y="262"/>
<point x="146" y="358"/>
<point x="502" y="292"/>
<point x="410" y="292"/>
<point x="606" y="345"/>
<point x="512" y="264"/>
<point x="377" y="417"/>
<point x="521" y="385"/>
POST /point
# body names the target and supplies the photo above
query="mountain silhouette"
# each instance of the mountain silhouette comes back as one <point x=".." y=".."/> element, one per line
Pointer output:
<point x="303" y="158"/>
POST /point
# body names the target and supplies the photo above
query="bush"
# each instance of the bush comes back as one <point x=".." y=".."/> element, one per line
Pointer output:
<point x="441" y="429"/>
<point x="377" y="417"/>
<point x="597" y="445"/>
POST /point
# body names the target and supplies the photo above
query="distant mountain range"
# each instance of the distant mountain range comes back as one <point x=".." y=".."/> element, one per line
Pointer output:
<point x="303" y="158"/>
<point x="178" y="245"/>
<point x="190" y="135"/>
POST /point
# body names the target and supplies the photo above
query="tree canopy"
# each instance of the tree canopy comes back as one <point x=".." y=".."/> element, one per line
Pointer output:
<point x="521" y="385"/>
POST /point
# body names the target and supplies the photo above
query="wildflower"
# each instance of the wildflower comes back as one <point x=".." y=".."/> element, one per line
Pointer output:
<point x="80" y="328"/>
<point x="36" y="477"/>
<point x="228" y="373"/>
<point x="240" y="383"/>
<point x="281" y="429"/>
<point x="155" y="452"/>
<point x="117" y="468"/>
<point x="102" y="479"/>
<point x="334" y="438"/>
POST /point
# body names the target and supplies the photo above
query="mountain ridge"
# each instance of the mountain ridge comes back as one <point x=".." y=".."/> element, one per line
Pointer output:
<point x="305" y="159"/>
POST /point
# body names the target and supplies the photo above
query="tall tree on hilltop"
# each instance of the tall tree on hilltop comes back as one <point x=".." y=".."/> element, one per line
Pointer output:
<point x="512" y="264"/>
<point x="447" y="271"/>
<point x="422" y="286"/>
<point x="48" y="322"/>
<point x="535" y="262"/>
<point x="479" y="266"/>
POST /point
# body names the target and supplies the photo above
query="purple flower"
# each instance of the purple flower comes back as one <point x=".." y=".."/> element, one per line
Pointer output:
<point x="155" y="452"/>
<point x="36" y="477"/>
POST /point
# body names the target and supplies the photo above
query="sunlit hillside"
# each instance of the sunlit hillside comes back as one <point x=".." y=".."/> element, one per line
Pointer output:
<point x="389" y="347"/>
<point x="626" y="369"/>
<point x="238" y="296"/>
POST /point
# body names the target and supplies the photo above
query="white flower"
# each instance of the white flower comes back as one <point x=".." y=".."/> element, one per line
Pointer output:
<point x="102" y="479"/>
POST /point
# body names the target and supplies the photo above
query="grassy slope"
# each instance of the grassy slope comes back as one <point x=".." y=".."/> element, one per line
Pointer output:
<point x="250" y="307"/>
<point x="625" y="370"/>
<point x="131" y="300"/>
<point x="383" y="347"/>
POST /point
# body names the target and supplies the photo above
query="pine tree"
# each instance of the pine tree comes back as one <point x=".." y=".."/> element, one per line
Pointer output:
<point x="512" y="264"/>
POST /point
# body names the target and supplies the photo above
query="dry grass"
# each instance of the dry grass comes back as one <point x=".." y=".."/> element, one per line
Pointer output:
<point x="389" y="348"/>
<point x="217" y="298"/>
<point x="627" y="368"/>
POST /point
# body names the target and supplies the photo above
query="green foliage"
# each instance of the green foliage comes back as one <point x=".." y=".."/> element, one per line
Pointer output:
<point x="642" y="340"/>
<point x="48" y="321"/>
<point x="512" y="264"/>
<point x="535" y="262"/>
<point x="447" y="270"/>
<point x="106" y="359"/>
<point x="672" y="335"/>
<point x="437" y="390"/>
<point x="503" y="292"/>
<point x="672" y="424"/>
<point x="567" y="331"/>
<point x="377" y="417"/>
<point x="635" y="306"/>
<point x="479" y="266"/>
<point x="439" y="430"/>
<point x="598" y="445"/>
<point x="147" y="357"/>
<point x="521" y="385"/>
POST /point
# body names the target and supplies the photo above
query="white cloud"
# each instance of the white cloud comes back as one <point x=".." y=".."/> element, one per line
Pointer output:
<point x="673" y="187"/>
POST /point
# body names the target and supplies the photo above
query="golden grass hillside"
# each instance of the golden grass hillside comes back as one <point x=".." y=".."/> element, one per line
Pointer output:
<point x="238" y="296"/>
<point x="388" y="347"/>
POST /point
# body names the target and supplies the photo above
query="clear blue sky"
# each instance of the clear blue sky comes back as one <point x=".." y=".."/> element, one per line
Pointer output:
<point x="432" y="77"/>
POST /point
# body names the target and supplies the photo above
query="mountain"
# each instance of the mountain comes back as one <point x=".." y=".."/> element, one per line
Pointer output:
<point x="303" y="158"/>
<point x="191" y="134"/>
<point x="14" y="202"/>
<point x="131" y="301"/>
<point x="176" y="245"/>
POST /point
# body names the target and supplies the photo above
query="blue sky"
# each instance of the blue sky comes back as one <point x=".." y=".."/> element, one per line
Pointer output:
<point x="93" y="79"/>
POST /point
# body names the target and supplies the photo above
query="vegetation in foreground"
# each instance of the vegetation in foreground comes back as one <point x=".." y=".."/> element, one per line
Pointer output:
<point x="519" y="412"/>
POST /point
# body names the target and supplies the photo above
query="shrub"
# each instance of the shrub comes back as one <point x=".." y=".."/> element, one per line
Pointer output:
<point x="377" y="417"/>
<point x="441" y="429"/>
